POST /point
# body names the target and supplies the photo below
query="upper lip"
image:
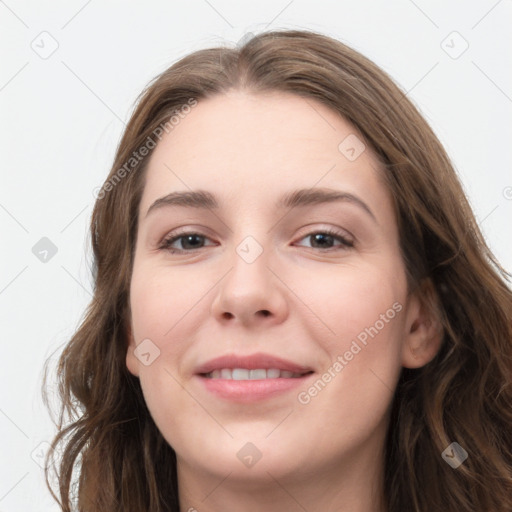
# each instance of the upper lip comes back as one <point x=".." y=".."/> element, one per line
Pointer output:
<point x="251" y="362"/>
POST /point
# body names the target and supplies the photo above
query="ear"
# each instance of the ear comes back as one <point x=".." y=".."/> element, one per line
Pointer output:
<point x="424" y="330"/>
<point x="132" y="362"/>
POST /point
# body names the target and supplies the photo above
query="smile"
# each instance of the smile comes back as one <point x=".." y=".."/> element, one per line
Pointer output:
<point x="252" y="374"/>
<point x="249" y="378"/>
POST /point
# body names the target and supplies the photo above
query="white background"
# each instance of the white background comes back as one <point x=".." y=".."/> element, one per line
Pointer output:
<point x="62" y="116"/>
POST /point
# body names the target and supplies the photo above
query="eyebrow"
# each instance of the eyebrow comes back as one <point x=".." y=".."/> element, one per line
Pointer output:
<point x="203" y="199"/>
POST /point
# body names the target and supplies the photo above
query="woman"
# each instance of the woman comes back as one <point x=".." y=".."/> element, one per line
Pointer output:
<point x="294" y="308"/>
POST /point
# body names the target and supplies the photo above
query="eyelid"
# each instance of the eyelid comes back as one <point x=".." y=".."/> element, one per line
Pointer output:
<point x="343" y="236"/>
<point x="173" y="236"/>
<point x="334" y="231"/>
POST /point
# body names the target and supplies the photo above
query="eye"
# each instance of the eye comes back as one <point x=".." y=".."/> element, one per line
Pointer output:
<point x="324" y="239"/>
<point x="188" y="241"/>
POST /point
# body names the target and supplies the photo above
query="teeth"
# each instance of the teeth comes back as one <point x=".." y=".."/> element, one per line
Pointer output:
<point x="257" y="374"/>
<point x="225" y="373"/>
<point x="239" y="374"/>
<point x="273" y="373"/>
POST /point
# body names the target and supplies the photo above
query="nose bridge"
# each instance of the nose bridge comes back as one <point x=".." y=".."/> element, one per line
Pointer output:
<point x="249" y="290"/>
<point x="250" y="249"/>
<point x="251" y="237"/>
<point x="250" y="277"/>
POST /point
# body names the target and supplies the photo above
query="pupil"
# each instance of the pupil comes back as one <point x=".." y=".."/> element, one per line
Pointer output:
<point x="322" y="236"/>
<point x="188" y="238"/>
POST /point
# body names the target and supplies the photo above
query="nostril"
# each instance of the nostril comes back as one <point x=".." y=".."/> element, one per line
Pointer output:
<point x="263" y="312"/>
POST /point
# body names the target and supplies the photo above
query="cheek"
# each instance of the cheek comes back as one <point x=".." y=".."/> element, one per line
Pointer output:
<point x="364" y="309"/>
<point x="368" y="316"/>
<point x="165" y="308"/>
<point x="160" y="299"/>
<point x="352" y="302"/>
<point x="159" y="304"/>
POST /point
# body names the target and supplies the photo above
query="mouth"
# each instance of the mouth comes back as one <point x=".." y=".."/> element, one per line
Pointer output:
<point x="251" y="378"/>
<point x="256" y="374"/>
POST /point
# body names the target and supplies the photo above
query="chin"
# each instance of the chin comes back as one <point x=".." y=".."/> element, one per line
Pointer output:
<point x="254" y="458"/>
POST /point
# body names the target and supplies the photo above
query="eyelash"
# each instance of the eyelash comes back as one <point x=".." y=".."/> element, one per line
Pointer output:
<point x="167" y="242"/>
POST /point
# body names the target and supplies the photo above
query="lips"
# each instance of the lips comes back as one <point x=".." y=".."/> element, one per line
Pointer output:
<point x="252" y="362"/>
<point x="248" y="379"/>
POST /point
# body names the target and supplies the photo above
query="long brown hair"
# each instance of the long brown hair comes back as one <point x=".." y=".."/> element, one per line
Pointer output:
<point x="106" y="434"/>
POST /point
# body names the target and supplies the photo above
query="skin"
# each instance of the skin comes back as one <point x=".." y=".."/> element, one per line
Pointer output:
<point x="249" y="149"/>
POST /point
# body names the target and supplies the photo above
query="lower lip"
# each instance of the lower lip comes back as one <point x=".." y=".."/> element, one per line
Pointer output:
<point x="251" y="390"/>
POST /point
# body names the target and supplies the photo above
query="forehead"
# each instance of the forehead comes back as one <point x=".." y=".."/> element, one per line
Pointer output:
<point x="249" y="147"/>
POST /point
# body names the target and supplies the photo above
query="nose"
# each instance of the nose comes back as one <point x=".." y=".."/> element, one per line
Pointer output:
<point x="251" y="293"/>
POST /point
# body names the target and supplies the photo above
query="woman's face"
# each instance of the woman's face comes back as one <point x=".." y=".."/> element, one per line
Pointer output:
<point x="265" y="345"/>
